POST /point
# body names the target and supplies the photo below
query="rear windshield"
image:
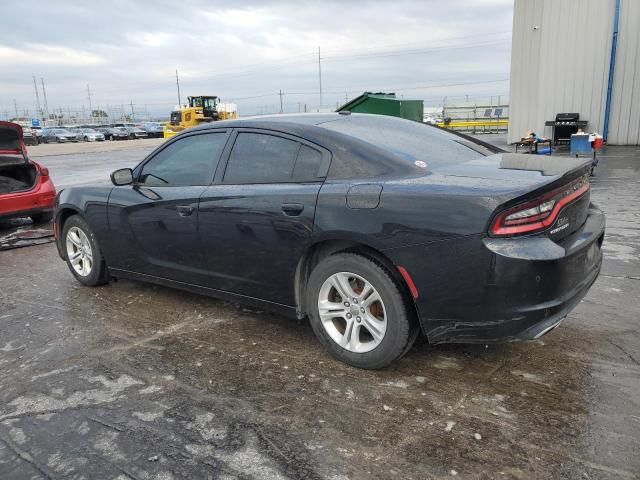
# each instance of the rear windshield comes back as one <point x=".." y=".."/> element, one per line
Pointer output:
<point x="411" y="141"/>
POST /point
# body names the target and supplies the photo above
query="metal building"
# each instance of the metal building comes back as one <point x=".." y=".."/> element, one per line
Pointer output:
<point x="561" y="61"/>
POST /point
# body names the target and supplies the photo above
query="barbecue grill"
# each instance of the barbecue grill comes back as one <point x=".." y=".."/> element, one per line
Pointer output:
<point x="565" y="125"/>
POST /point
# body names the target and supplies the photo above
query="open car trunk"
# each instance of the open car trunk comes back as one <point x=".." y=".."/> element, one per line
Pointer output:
<point x="15" y="174"/>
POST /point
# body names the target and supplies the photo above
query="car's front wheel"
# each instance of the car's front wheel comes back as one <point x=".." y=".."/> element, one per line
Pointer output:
<point x="358" y="311"/>
<point x="83" y="254"/>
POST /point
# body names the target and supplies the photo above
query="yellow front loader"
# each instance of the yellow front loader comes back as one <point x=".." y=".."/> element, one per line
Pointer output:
<point x="200" y="109"/>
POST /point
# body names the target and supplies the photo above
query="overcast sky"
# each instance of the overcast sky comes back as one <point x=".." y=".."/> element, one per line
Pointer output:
<point x="128" y="51"/>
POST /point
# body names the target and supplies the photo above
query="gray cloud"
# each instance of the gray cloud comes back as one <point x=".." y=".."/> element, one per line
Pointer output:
<point x="128" y="51"/>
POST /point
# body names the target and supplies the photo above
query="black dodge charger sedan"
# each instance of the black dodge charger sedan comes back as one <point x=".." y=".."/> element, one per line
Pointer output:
<point x="375" y="228"/>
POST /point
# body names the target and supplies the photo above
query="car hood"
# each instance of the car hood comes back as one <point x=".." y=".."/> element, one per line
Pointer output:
<point x="12" y="142"/>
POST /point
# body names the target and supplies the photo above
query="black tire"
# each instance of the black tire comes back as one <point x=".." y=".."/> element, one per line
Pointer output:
<point x="401" y="330"/>
<point x="98" y="274"/>
<point x="44" y="217"/>
<point x="86" y="139"/>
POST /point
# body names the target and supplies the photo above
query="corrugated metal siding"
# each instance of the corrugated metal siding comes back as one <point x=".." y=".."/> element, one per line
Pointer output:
<point x="624" y="124"/>
<point x="563" y="66"/>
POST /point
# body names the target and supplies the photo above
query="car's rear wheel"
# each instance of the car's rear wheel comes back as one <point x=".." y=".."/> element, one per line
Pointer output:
<point x="358" y="312"/>
<point x="44" y="217"/>
<point x="83" y="254"/>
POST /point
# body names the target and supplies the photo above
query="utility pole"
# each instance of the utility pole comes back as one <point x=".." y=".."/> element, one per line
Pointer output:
<point x="280" y="100"/>
<point x="89" y="95"/>
<point x="44" y="95"/>
<point x="15" y="105"/>
<point x="35" y="85"/>
<point x="178" y="85"/>
<point x="133" y="115"/>
<point x="320" y="77"/>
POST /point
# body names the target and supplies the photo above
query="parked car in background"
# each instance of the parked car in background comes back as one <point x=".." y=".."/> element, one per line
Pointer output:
<point x="113" y="133"/>
<point x="37" y="132"/>
<point x="376" y="228"/>
<point x="76" y="131"/>
<point x="91" y="135"/>
<point x="153" y="129"/>
<point x="59" y="135"/>
<point x="29" y="137"/>
<point x="26" y="190"/>
<point x="135" y="132"/>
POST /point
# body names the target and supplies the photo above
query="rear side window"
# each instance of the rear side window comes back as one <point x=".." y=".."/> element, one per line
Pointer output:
<point x="408" y="140"/>
<point x="190" y="160"/>
<point x="265" y="158"/>
<point x="309" y="165"/>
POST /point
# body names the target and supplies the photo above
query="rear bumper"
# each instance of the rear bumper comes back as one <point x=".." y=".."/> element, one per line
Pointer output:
<point x="487" y="290"/>
<point x="39" y="199"/>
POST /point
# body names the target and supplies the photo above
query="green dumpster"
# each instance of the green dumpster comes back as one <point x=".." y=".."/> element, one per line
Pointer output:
<point x="385" y="104"/>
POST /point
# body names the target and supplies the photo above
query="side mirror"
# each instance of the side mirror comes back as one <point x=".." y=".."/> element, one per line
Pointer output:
<point x="123" y="176"/>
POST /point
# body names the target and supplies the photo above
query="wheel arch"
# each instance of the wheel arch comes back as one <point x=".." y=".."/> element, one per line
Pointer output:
<point x="63" y="213"/>
<point x="326" y="247"/>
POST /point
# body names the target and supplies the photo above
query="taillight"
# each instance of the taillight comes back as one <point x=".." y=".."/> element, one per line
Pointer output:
<point x="540" y="213"/>
<point x="44" y="171"/>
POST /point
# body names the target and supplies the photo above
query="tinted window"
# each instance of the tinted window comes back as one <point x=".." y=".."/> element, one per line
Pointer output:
<point x="261" y="158"/>
<point x="309" y="166"/>
<point x="188" y="161"/>
<point x="409" y="140"/>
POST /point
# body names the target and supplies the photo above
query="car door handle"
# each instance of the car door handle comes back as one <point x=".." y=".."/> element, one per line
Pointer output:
<point x="184" y="210"/>
<point x="292" y="209"/>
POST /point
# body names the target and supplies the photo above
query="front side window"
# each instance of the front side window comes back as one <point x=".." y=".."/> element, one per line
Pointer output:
<point x="188" y="161"/>
<point x="261" y="158"/>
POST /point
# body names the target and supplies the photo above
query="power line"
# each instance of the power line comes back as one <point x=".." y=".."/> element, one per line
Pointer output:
<point x="178" y="85"/>
<point x="245" y="70"/>
<point x="320" y="75"/>
<point x="44" y="95"/>
<point x="35" y="85"/>
<point x="89" y="95"/>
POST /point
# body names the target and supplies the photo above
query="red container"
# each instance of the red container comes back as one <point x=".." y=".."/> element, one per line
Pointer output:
<point x="597" y="143"/>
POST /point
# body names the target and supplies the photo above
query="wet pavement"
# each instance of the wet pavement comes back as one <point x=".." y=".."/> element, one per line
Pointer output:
<point x="134" y="381"/>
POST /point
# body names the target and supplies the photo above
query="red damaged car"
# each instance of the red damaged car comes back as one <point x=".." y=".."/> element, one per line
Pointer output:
<point x="26" y="190"/>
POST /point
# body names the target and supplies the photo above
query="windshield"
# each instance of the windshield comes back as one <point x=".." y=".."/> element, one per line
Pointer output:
<point x="409" y="140"/>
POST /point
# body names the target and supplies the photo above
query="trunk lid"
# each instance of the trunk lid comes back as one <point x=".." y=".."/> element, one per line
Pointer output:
<point x="516" y="169"/>
<point x="12" y="147"/>
<point x="520" y="178"/>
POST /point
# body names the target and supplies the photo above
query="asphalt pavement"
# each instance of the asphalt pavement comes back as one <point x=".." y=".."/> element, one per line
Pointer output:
<point x="134" y="381"/>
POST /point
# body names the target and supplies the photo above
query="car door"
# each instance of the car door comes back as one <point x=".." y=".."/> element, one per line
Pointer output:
<point x="257" y="219"/>
<point x="154" y="223"/>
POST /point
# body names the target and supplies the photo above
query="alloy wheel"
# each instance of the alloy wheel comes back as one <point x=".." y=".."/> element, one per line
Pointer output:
<point x="352" y="312"/>
<point x="79" y="251"/>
